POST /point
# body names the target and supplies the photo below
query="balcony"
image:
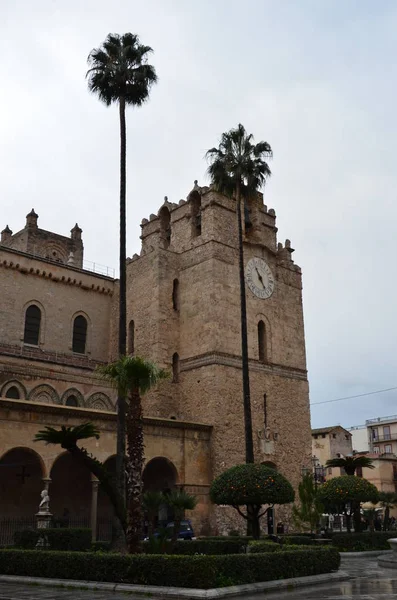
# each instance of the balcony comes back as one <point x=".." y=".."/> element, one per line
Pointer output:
<point x="384" y="438"/>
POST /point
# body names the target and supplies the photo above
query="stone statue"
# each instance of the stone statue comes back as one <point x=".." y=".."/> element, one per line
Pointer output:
<point x="44" y="505"/>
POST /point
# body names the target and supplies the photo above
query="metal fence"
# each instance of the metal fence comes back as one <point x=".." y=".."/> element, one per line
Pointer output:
<point x="9" y="526"/>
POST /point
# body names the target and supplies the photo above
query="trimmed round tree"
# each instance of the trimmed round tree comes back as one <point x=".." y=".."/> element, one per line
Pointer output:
<point x="252" y="486"/>
<point x="344" y="495"/>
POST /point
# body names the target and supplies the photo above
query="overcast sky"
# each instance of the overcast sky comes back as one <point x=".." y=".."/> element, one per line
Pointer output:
<point x="317" y="80"/>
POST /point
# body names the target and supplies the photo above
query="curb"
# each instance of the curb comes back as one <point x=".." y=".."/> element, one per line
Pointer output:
<point x="186" y="593"/>
<point x="366" y="554"/>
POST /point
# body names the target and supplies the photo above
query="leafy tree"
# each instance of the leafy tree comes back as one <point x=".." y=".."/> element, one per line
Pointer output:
<point x="251" y="485"/>
<point x="308" y="514"/>
<point x="133" y="376"/>
<point x="238" y="169"/>
<point x="351" y="463"/>
<point x="151" y="502"/>
<point x="180" y="501"/>
<point x="120" y="73"/>
<point x="387" y="500"/>
<point x="344" y="495"/>
<point x="67" y="438"/>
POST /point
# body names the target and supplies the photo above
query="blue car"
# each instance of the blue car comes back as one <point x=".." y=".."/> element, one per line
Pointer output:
<point x="185" y="532"/>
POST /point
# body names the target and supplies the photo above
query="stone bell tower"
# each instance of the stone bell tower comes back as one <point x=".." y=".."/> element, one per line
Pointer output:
<point x="184" y="312"/>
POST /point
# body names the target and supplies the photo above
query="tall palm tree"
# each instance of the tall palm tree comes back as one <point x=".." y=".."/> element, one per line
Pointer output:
<point x="351" y="463"/>
<point x="238" y="169"/>
<point x="67" y="438"/>
<point x="120" y="73"/>
<point x="387" y="500"/>
<point x="133" y="376"/>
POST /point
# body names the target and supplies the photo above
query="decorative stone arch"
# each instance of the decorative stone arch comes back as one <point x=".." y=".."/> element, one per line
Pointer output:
<point x="73" y="392"/>
<point x="55" y="251"/>
<point x="267" y="338"/>
<point x="81" y="313"/>
<point x="99" y="401"/>
<point x="13" y="383"/>
<point x="158" y="473"/>
<point x="42" y="320"/>
<point x="29" y="451"/>
<point x="45" y="394"/>
<point x="165" y="225"/>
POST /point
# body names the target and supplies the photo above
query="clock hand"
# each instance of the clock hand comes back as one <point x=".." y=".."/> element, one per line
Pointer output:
<point x="260" y="278"/>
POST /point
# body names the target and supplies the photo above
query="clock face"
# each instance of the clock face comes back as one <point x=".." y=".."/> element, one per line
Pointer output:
<point x="259" y="278"/>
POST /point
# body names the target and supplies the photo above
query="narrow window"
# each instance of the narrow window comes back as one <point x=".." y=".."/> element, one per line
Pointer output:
<point x="32" y="325"/>
<point x="79" y="334"/>
<point x="165" y="226"/>
<point x="175" y="295"/>
<point x="247" y="217"/>
<point x="71" y="401"/>
<point x="131" y="337"/>
<point x="13" y="393"/>
<point x="175" y="368"/>
<point x="196" y="214"/>
<point x="388" y="449"/>
<point x="376" y="449"/>
<point x="262" y="341"/>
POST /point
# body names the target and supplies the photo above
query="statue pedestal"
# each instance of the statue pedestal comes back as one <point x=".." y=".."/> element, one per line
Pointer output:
<point x="43" y="521"/>
<point x="389" y="560"/>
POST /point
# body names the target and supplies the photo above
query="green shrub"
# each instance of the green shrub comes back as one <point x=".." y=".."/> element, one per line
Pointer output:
<point x="360" y="542"/>
<point x="208" y="547"/>
<point x="297" y="540"/>
<point x="100" y="546"/>
<point x="26" y="539"/>
<point x="263" y="546"/>
<point x="57" y="538"/>
<point x="182" y="571"/>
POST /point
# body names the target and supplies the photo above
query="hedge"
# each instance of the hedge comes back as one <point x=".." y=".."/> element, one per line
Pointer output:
<point x="208" y="547"/>
<point x="263" y="546"/>
<point x="58" y="538"/>
<point x="297" y="540"/>
<point x="360" y="542"/>
<point x="201" y="572"/>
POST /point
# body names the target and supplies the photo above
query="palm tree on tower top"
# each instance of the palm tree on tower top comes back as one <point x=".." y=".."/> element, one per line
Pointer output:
<point x="238" y="169"/>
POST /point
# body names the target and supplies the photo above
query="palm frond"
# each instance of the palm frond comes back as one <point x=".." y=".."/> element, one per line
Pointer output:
<point x="238" y="162"/>
<point x="119" y="68"/>
<point x="67" y="437"/>
<point x="132" y="372"/>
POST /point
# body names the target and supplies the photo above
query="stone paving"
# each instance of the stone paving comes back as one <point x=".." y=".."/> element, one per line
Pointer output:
<point x="369" y="582"/>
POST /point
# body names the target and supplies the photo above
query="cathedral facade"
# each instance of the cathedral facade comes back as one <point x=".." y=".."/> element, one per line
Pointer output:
<point x="58" y="321"/>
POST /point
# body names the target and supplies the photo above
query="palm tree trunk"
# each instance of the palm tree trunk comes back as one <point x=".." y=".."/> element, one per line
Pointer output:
<point x="135" y="451"/>
<point x="249" y="445"/>
<point x="96" y="468"/>
<point x="122" y="346"/>
<point x="386" y="519"/>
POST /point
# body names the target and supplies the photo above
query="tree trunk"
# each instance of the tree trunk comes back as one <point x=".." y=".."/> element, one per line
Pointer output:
<point x="177" y="526"/>
<point x="253" y="512"/>
<point x="348" y="523"/>
<point x="386" y="519"/>
<point x="122" y="346"/>
<point x="96" y="468"/>
<point x="135" y="451"/>
<point x="249" y="445"/>
<point x="357" y="518"/>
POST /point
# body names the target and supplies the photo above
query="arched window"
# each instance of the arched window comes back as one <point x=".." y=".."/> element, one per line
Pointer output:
<point x="32" y="325"/>
<point x="175" y="368"/>
<point x="71" y="401"/>
<point x="175" y="294"/>
<point x="79" y="334"/>
<point x="262" y="341"/>
<point x="13" y="392"/>
<point x="131" y="337"/>
<point x="195" y="211"/>
<point x="165" y="226"/>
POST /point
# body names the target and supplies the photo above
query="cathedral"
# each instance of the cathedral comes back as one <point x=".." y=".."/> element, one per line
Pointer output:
<point x="58" y="321"/>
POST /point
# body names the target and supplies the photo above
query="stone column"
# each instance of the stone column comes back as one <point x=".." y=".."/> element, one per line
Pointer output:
<point x="46" y="481"/>
<point x="94" y="506"/>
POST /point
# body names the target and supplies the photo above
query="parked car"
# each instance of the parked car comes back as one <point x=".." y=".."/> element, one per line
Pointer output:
<point x="185" y="532"/>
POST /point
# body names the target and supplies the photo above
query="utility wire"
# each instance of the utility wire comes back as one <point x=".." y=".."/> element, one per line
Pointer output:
<point x="356" y="396"/>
